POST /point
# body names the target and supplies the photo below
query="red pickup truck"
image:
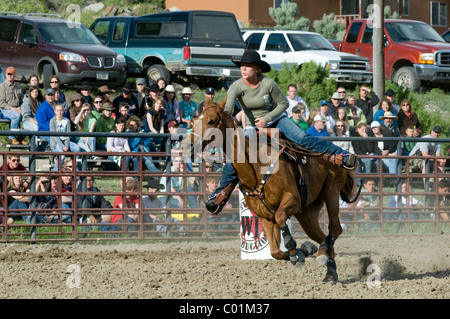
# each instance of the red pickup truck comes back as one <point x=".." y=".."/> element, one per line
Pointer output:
<point x="415" y="55"/>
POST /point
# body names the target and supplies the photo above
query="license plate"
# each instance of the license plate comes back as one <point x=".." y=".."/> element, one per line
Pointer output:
<point x="357" y="76"/>
<point x="226" y="72"/>
<point x="102" y="75"/>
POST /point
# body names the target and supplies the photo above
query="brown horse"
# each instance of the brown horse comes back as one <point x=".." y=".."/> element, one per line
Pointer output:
<point x="281" y="196"/>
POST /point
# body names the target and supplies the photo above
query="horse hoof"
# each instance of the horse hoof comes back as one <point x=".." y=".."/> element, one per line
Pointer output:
<point x="322" y="260"/>
<point x="330" y="278"/>
<point x="298" y="258"/>
<point x="308" y="248"/>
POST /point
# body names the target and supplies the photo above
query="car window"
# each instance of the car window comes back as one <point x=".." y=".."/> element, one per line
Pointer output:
<point x="63" y="33"/>
<point x="119" y="29"/>
<point x="100" y="29"/>
<point x="368" y="34"/>
<point x="168" y="29"/>
<point x="26" y="31"/>
<point x="221" y="28"/>
<point x="8" y="29"/>
<point x="352" y="35"/>
<point x="276" y="42"/>
<point x="254" y="41"/>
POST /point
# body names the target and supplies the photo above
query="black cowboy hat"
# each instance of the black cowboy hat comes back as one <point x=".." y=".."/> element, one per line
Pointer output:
<point x="253" y="57"/>
<point x="154" y="183"/>
<point x="127" y="88"/>
<point x="85" y="86"/>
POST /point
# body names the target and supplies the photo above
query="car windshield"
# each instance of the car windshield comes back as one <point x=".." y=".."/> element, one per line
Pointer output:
<point x="67" y="33"/>
<point x="412" y="31"/>
<point x="307" y="41"/>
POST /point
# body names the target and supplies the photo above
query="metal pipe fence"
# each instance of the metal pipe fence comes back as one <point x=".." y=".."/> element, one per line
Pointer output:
<point x="177" y="213"/>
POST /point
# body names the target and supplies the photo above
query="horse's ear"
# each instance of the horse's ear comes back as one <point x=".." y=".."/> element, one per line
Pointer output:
<point x="207" y="103"/>
<point x="224" y="101"/>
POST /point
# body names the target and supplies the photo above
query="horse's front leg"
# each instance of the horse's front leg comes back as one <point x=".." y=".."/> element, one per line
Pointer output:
<point x="288" y="207"/>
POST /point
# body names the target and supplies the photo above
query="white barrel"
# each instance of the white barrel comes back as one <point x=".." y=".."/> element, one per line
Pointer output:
<point x="254" y="244"/>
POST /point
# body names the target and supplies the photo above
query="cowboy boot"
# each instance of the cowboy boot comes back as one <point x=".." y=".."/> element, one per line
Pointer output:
<point x="216" y="202"/>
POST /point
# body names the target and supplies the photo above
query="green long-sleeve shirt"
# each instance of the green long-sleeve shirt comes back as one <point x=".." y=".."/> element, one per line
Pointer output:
<point x="266" y="100"/>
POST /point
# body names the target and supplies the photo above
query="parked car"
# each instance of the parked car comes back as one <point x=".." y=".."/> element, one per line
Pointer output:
<point x="415" y="55"/>
<point x="194" y="44"/>
<point x="297" y="47"/>
<point x="46" y="44"/>
<point x="446" y="35"/>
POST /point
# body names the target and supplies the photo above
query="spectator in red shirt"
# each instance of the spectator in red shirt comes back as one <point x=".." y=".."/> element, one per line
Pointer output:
<point x="13" y="164"/>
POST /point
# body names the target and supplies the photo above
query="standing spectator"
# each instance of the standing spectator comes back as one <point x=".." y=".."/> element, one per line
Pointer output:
<point x="429" y="150"/>
<point x="11" y="98"/>
<point x="55" y="85"/>
<point x="188" y="108"/>
<point x="30" y="104"/>
<point x="85" y="91"/>
<point x="171" y="104"/>
<point x="366" y="102"/>
<point x="127" y="97"/>
<point x="59" y="123"/>
<point x="294" y="99"/>
<point x="354" y="113"/>
<point x="340" y="130"/>
<point x="119" y="143"/>
<point x="365" y="147"/>
<point x="209" y="92"/>
<point x="407" y="117"/>
<point x="318" y="128"/>
<point x="298" y="116"/>
<point x="105" y="123"/>
<point x="385" y="106"/>
<point x="390" y="95"/>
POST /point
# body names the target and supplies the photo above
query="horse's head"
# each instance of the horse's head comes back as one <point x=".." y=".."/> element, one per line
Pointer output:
<point x="208" y="129"/>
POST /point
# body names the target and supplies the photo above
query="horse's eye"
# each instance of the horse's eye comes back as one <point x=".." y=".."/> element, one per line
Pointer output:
<point x="211" y="122"/>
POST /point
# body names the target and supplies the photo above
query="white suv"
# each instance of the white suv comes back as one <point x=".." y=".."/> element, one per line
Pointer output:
<point x="298" y="47"/>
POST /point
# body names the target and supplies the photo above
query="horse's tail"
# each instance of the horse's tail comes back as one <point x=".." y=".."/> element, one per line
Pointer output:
<point x="348" y="190"/>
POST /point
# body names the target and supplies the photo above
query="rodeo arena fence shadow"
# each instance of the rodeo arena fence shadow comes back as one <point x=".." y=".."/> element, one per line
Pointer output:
<point x="167" y="203"/>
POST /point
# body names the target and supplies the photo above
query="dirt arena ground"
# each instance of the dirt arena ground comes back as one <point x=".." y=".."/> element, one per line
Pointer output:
<point x="408" y="267"/>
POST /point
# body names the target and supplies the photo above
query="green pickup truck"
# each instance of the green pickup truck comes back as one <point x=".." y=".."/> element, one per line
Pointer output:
<point x="191" y="44"/>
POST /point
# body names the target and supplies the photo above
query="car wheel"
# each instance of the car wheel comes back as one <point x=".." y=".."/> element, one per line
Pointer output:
<point x="156" y="71"/>
<point x="46" y="74"/>
<point x="407" y="78"/>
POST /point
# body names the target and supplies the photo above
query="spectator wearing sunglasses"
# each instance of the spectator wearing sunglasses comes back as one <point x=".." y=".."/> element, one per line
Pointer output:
<point x="55" y="85"/>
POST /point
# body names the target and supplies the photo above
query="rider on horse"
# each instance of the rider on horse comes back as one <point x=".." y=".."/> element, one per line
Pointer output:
<point x="264" y="105"/>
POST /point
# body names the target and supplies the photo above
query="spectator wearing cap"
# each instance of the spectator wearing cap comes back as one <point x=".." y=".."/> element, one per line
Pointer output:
<point x="343" y="94"/>
<point x="127" y="97"/>
<point x="319" y="126"/>
<point x="335" y="102"/>
<point x="188" y="108"/>
<point x="294" y="99"/>
<point x="85" y="91"/>
<point x="141" y="92"/>
<point x="209" y="92"/>
<point x="105" y="123"/>
<point x="171" y="104"/>
<point x="407" y="118"/>
<point x="298" y="113"/>
<point x="329" y="120"/>
<point x="11" y="98"/>
<point x="429" y="150"/>
<point x="390" y="95"/>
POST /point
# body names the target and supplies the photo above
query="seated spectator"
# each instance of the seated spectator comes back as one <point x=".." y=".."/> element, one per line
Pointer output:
<point x="43" y="185"/>
<point x="404" y="200"/>
<point x="131" y="201"/>
<point x="105" y="93"/>
<point x="155" y="202"/>
<point x="341" y="114"/>
<point x="161" y="82"/>
<point x="118" y="143"/>
<point x="354" y="113"/>
<point x="141" y="93"/>
<point x="98" y="107"/>
<point x="385" y="106"/>
<point x="74" y="109"/>
<point x="444" y="197"/>
<point x="294" y="99"/>
<point x="44" y="113"/>
<point x="124" y="110"/>
<point x="55" y="85"/>
<point x="66" y="201"/>
<point x="340" y="130"/>
<point x="429" y="150"/>
<point x="13" y="164"/>
<point x="16" y="185"/>
<point x="407" y="146"/>
<point x="364" y="147"/>
<point x="85" y="122"/>
<point x="407" y="117"/>
<point x="31" y="102"/>
<point x="370" y="200"/>
<point x="57" y="98"/>
<point x="209" y="93"/>
<point x="390" y="95"/>
<point x="188" y="108"/>
<point x="318" y="128"/>
<point x="139" y="144"/>
<point x="93" y="200"/>
<point x="63" y="144"/>
<point x="390" y="148"/>
<point x="171" y="104"/>
<point x="85" y="91"/>
<point x="335" y="102"/>
<point x="127" y="97"/>
<point x="105" y="123"/>
<point x="298" y="116"/>
<point x="33" y="80"/>
<point x="329" y="120"/>
<point x="11" y="98"/>
<point x="154" y="122"/>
